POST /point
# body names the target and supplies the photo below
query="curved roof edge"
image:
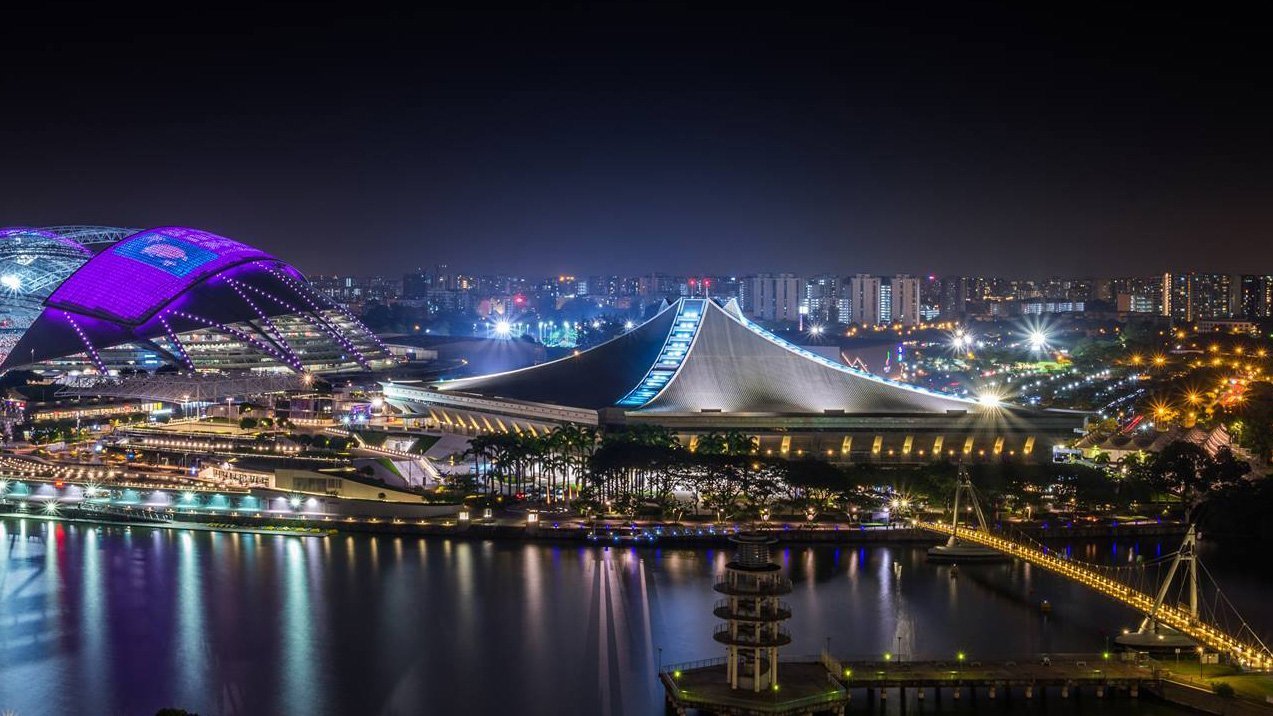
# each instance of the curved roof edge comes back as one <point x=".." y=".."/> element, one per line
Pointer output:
<point x="130" y="281"/>
<point x="460" y="384"/>
<point x="650" y="363"/>
<point x="851" y="370"/>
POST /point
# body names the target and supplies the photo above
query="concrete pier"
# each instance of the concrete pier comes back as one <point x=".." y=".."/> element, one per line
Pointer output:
<point x="804" y="687"/>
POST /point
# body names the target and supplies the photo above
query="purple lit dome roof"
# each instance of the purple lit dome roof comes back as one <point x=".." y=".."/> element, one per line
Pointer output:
<point x="136" y="277"/>
<point x="152" y="287"/>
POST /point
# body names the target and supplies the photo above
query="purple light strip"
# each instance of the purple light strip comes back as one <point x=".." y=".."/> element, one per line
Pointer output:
<point x="307" y="293"/>
<point x="274" y="332"/>
<point x="176" y="342"/>
<point x="88" y="345"/>
<point x="265" y="347"/>
<point x="313" y="321"/>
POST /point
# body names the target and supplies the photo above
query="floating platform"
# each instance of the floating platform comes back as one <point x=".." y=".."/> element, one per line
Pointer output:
<point x="1166" y="639"/>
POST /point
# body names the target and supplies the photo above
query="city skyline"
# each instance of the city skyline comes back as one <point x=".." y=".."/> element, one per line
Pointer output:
<point x="1236" y="301"/>
<point x="635" y="358"/>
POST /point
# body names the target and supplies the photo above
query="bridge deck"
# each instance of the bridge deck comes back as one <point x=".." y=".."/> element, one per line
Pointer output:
<point x="1247" y="653"/>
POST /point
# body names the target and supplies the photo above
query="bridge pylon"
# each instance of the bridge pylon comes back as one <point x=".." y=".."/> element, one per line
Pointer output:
<point x="1152" y="634"/>
<point x="954" y="550"/>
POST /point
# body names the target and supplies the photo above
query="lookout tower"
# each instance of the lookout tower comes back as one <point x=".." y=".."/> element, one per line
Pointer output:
<point x="753" y="614"/>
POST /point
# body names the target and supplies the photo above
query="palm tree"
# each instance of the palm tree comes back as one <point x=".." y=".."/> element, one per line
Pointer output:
<point x="580" y="444"/>
<point x="711" y="444"/>
<point x="482" y="449"/>
<point x="739" y="443"/>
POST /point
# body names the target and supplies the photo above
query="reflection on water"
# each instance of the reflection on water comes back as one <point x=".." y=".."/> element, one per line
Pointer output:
<point x="190" y="645"/>
<point x="113" y="620"/>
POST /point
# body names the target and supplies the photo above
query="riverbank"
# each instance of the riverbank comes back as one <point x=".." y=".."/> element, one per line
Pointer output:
<point x="296" y="531"/>
<point x="1205" y="700"/>
<point x="572" y="529"/>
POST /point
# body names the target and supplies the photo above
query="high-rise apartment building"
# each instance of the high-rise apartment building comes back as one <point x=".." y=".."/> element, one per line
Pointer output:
<point x="864" y="300"/>
<point x="880" y="301"/>
<point x="416" y="285"/>
<point x="1189" y="297"/>
<point x="954" y="297"/>
<point x="776" y="297"/>
<point x="820" y="296"/>
<point x="1255" y="296"/>
<point x="904" y="305"/>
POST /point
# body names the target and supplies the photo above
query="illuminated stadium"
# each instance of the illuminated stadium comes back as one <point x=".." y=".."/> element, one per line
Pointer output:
<point x="102" y="300"/>
<point x="699" y="367"/>
<point x="33" y="262"/>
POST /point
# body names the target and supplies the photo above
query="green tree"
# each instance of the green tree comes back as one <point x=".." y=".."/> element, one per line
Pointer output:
<point x="1256" y="412"/>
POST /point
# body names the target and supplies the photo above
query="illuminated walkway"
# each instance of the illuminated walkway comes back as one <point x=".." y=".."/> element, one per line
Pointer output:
<point x="1248" y="653"/>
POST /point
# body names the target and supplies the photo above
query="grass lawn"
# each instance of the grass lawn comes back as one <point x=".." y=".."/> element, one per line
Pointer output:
<point x="1250" y="685"/>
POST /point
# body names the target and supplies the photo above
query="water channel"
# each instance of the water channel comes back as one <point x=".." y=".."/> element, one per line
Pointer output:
<point x="98" y="619"/>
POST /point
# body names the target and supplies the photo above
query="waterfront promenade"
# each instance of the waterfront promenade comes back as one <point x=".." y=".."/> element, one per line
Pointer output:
<point x="469" y="524"/>
<point x="825" y="684"/>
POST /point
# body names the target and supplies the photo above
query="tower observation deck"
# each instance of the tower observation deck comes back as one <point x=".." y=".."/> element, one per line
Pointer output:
<point x="753" y="614"/>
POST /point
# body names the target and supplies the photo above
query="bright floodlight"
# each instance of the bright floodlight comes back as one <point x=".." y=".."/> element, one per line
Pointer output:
<point x="989" y="400"/>
<point x="11" y="281"/>
<point x="628" y="325"/>
<point x="815" y="330"/>
<point x="961" y="341"/>
<point x="503" y="329"/>
<point x="1038" y="340"/>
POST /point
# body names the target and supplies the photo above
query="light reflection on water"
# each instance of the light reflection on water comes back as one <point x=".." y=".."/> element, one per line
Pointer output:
<point x="107" y="620"/>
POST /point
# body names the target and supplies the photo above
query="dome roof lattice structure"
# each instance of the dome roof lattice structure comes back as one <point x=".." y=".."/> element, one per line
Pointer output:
<point x="170" y="296"/>
<point x="33" y="263"/>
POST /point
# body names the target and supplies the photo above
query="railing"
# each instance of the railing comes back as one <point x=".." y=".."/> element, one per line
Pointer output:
<point x="788" y="707"/>
<point x="770" y="587"/>
<point x="768" y="613"/>
<point x="1246" y="654"/>
<point x="672" y="668"/>
<point x="142" y="514"/>
<point x="678" y="667"/>
<point x="766" y="636"/>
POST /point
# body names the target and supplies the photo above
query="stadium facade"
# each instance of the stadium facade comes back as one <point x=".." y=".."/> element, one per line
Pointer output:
<point x="103" y="300"/>
<point x="699" y="367"/>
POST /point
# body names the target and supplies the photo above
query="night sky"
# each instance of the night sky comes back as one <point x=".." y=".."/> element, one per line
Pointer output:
<point x="628" y="138"/>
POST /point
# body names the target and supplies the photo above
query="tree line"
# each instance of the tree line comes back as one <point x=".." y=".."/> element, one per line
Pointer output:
<point x="643" y="469"/>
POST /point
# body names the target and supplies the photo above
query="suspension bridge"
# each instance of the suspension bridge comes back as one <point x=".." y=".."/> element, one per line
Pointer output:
<point x="1162" y="616"/>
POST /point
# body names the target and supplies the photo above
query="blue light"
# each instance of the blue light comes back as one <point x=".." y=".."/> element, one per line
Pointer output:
<point x="689" y="316"/>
